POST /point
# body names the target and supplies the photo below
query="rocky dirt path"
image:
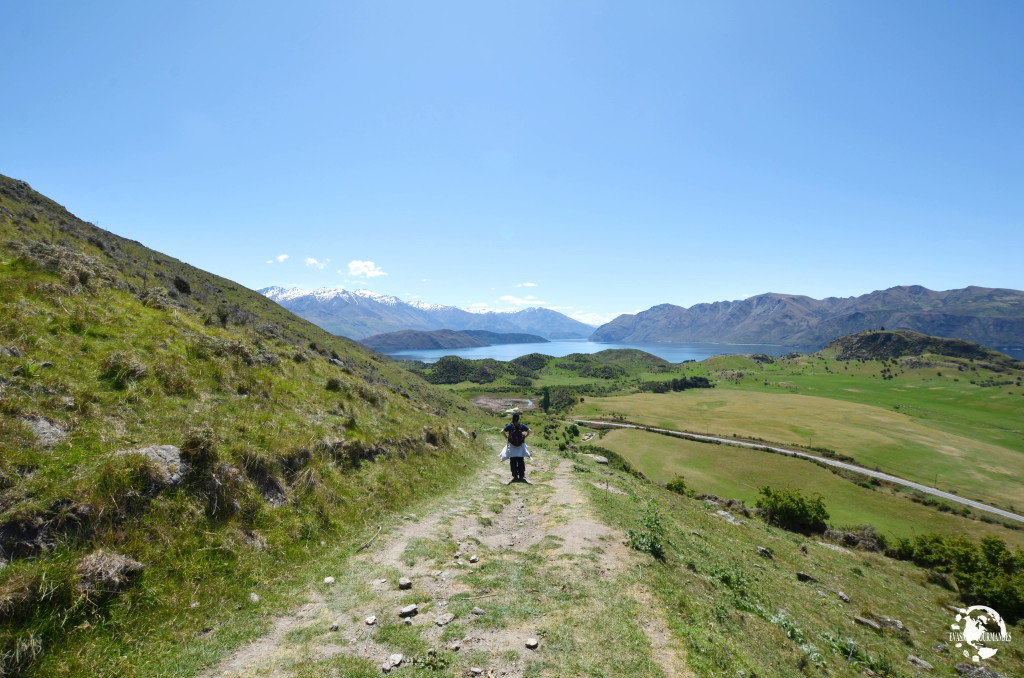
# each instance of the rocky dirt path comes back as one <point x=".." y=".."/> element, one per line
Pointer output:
<point x="491" y="571"/>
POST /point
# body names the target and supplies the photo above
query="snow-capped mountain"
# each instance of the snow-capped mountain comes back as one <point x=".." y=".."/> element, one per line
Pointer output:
<point x="361" y="313"/>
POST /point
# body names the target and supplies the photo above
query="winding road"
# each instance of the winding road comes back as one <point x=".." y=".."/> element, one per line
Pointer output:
<point x="824" y="460"/>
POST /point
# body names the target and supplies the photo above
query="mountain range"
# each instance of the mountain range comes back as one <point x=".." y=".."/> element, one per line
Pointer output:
<point x="990" y="317"/>
<point x="358" y="314"/>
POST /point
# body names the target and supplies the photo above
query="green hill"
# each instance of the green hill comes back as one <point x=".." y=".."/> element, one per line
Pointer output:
<point x="886" y="345"/>
<point x="270" y="443"/>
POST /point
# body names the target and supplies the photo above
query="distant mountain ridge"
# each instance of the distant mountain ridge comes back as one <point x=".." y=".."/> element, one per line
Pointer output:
<point x="986" y="316"/>
<point x="410" y="340"/>
<point x="358" y="314"/>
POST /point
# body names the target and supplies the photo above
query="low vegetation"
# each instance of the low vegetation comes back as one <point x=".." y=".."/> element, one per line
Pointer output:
<point x="792" y="510"/>
<point x="176" y="451"/>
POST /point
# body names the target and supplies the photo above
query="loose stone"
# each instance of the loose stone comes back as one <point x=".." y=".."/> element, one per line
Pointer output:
<point x="919" y="663"/>
<point x="870" y="623"/>
<point x="532" y="643"/>
<point x="404" y="583"/>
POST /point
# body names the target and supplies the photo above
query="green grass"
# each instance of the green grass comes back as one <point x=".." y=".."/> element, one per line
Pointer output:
<point x="738" y="473"/>
<point x="132" y="366"/>
<point x="737" y="611"/>
<point x="965" y="462"/>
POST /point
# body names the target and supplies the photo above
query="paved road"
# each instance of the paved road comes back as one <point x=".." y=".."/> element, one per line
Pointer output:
<point x="824" y="460"/>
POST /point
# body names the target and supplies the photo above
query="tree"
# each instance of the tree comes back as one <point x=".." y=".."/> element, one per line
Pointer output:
<point x="545" y="399"/>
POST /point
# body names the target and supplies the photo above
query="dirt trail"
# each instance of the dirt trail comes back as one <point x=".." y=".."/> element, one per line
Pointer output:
<point x="513" y="552"/>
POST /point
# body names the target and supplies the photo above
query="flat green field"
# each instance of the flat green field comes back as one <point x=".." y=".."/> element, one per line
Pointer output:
<point x="911" y="447"/>
<point x="737" y="473"/>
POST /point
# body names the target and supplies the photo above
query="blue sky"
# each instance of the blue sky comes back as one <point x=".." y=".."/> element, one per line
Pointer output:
<point x="594" y="157"/>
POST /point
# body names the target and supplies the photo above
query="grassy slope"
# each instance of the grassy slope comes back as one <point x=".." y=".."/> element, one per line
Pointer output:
<point x="916" y="425"/>
<point x="736" y="610"/>
<point x="732" y="472"/>
<point x="253" y="389"/>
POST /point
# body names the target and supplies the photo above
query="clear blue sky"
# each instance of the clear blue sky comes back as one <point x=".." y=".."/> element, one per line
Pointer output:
<point x="615" y="155"/>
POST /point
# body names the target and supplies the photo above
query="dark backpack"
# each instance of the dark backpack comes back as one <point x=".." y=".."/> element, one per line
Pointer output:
<point x="516" y="436"/>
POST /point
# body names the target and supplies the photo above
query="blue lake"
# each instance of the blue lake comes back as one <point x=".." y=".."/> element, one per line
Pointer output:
<point x="674" y="353"/>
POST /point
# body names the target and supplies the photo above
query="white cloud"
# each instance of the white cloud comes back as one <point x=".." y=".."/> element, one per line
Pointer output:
<point x="526" y="285"/>
<point x="364" y="268"/>
<point x="744" y="296"/>
<point x="310" y="261"/>
<point x="479" y="304"/>
<point x="426" y="280"/>
<point x="279" y="258"/>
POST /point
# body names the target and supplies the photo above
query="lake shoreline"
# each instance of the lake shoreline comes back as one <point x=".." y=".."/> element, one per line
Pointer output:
<point x="672" y="352"/>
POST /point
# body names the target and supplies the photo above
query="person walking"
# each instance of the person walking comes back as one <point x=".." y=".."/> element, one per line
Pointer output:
<point x="515" y="450"/>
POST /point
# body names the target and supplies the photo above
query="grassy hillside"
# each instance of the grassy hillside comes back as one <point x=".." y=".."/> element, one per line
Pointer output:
<point x="738" y="473"/>
<point x="736" y="609"/>
<point x="294" y="445"/>
<point x="917" y="417"/>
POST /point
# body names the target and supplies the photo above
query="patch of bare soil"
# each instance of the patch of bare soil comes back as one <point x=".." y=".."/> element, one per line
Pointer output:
<point x="499" y="402"/>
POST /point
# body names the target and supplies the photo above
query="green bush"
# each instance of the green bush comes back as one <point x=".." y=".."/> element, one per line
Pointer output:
<point x="651" y="537"/>
<point x="791" y="510"/>
<point x="677" y="485"/>
<point x="987" y="573"/>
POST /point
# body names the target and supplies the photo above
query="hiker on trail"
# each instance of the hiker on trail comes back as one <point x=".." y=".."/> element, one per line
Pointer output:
<point x="515" y="451"/>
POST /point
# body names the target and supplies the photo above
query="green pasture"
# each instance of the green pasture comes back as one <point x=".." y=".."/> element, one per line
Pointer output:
<point x="737" y="473"/>
<point x="897" y="443"/>
<point x="954" y="395"/>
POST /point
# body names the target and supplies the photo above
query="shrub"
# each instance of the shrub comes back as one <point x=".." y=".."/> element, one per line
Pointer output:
<point x="677" y="485"/>
<point x="987" y="573"/>
<point x="791" y="510"/>
<point x="649" y="539"/>
<point x="334" y="384"/>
